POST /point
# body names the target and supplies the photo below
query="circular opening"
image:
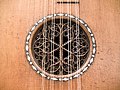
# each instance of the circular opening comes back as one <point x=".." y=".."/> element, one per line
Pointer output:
<point x="60" y="47"/>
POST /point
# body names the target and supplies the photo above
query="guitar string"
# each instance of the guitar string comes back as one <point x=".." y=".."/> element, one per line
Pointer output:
<point x="68" y="45"/>
<point x="61" y="70"/>
<point x="70" y="70"/>
<point x="48" y="57"/>
<point x="47" y="33"/>
<point x="44" y="40"/>
<point x="78" y="66"/>
<point x="79" y="51"/>
<point x="70" y="42"/>
<point x="62" y="42"/>
<point x="54" y="29"/>
<point x="76" y="41"/>
<point x="52" y="45"/>
<point x="51" y="37"/>
<point x="42" y="60"/>
<point x="43" y="48"/>
<point x="78" y="61"/>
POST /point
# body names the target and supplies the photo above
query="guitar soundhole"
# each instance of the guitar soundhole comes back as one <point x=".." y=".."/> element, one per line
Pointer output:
<point x="60" y="46"/>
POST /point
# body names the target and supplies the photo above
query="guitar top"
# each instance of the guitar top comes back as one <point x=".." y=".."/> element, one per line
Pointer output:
<point x="59" y="45"/>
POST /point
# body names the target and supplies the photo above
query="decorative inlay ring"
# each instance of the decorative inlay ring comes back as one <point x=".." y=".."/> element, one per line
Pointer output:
<point x="60" y="47"/>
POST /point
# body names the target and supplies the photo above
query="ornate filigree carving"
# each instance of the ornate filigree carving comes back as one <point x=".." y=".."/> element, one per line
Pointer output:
<point x="60" y="46"/>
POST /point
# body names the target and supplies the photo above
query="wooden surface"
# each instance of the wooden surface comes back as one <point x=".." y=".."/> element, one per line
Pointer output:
<point x="18" y="16"/>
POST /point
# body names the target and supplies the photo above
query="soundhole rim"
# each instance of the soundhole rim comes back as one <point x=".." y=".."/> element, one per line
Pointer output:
<point x="31" y="58"/>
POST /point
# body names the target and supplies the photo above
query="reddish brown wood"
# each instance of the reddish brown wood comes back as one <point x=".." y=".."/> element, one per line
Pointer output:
<point x="18" y="16"/>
